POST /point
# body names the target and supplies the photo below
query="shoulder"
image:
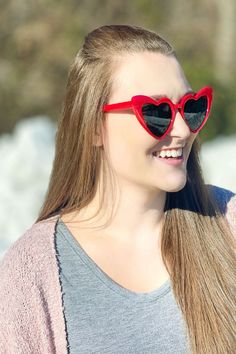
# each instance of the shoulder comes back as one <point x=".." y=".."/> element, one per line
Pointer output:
<point x="26" y="270"/>
<point x="27" y="256"/>
<point x="30" y="246"/>
<point x="226" y="199"/>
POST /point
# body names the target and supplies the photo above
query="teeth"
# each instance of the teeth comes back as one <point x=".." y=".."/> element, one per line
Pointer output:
<point x="162" y="154"/>
<point x="168" y="153"/>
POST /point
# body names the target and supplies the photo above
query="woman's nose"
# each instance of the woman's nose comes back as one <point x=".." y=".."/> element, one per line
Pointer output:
<point x="180" y="127"/>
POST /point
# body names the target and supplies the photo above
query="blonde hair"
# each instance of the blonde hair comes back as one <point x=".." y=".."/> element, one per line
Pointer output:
<point x="197" y="244"/>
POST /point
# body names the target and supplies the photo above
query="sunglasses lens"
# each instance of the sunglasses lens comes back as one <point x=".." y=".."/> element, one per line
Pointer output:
<point x="157" y="118"/>
<point x="195" y="112"/>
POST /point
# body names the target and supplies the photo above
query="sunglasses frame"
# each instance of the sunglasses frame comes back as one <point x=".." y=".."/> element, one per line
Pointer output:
<point x="138" y="101"/>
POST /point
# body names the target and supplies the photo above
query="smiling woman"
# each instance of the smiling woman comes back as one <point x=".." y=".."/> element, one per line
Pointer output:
<point x="132" y="252"/>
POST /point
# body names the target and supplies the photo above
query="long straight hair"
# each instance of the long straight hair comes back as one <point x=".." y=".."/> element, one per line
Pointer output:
<point x="197" y="244"/>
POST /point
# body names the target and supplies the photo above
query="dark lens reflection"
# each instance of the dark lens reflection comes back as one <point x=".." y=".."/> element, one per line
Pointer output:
<point x="157" y="118"/>
<point x="195" y="111"/>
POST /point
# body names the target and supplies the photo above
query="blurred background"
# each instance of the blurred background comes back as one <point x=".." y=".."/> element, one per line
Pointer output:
<point x="39" y="40"/>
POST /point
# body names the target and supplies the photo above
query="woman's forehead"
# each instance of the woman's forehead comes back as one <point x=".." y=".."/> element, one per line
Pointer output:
<point x="148" y="73"/>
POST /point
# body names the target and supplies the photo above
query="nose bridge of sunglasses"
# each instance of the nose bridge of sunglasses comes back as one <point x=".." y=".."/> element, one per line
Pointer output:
<point x="178" y="108"/>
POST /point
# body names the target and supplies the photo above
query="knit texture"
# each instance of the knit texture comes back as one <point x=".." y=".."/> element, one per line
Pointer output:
<point x="31" y="307"/>
<point x="31" y="317"/>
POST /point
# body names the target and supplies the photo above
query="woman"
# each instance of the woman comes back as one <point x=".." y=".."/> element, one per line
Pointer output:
<point x="132" y="252"/>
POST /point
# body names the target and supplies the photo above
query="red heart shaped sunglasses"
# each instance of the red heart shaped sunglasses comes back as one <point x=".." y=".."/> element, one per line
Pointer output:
<point x="157" y="116"/>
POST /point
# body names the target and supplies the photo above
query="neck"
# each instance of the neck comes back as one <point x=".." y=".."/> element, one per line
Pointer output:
<point x="137" y="216"/>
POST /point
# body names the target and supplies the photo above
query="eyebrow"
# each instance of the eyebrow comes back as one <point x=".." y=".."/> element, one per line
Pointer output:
<point x="161" y="96"/>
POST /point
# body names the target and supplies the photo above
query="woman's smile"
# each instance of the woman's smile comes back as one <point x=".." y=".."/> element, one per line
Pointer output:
<point x="174" y="161"/>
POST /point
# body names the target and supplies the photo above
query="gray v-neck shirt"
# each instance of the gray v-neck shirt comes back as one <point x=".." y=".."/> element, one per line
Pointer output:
<point x="103" y="317"/>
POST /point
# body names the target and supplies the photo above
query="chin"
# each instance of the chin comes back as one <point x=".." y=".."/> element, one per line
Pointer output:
<point x="175" y="187"/>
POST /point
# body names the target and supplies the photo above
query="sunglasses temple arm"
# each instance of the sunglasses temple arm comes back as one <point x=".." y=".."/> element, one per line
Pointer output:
<point x="117" y="106"/>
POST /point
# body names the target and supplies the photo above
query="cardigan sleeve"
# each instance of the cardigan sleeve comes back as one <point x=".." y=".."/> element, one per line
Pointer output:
<point x="18" y="310"/>
<point x="31" y="320"/>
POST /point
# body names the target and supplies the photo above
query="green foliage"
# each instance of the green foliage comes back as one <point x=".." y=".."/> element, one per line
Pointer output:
<point x="222" y="120"/>
<point x="40" y="39"/>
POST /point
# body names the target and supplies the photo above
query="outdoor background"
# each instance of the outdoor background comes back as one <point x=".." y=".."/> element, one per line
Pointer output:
<point x="38" y="41"/>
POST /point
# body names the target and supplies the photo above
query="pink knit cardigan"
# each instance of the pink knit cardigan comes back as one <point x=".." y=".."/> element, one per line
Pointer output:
<point x="31" y="308"/>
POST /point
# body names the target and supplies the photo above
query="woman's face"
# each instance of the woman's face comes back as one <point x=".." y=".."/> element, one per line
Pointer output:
<point x="129" y="145"/>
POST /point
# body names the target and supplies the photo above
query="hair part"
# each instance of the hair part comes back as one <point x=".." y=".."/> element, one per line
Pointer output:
<point x="197" y="244"/>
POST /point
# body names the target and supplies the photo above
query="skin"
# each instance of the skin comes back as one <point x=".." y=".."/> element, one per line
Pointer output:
<point x="143" y="181"/>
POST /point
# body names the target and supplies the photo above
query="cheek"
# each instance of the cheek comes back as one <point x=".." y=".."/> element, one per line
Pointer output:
<point x="124" y="131"/>
<point x="127" y="142"/>
<point x="190" y="144"/>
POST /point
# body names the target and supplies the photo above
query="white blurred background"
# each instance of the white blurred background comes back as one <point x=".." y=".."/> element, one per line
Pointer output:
<point x="26" y="160"/>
